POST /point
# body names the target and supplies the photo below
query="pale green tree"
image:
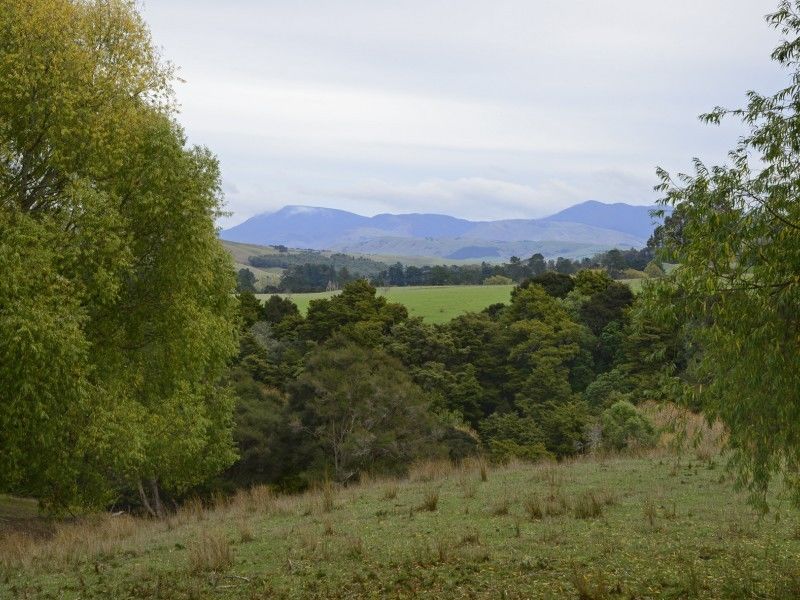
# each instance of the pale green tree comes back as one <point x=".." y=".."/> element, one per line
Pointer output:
<point x="739" y="275"/>
<point x="116" y="312"/>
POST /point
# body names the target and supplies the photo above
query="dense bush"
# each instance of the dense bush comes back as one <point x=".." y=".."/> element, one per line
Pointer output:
<point x="623" y="425"/>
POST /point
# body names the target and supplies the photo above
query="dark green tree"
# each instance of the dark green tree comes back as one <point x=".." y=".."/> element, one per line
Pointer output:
<point x="356" y="409"/>
<point x="245" y="281"/>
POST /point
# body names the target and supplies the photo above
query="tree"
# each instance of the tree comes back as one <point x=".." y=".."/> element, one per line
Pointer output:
<point x="537" y="264"/>
<point x="358" y="312"/>
<point x="739" y="256"/>
<point x="245" y="281"/>
<point x="555" y="284"/>
<point x="250" y="309"/>
<point x="117" y="316"/>
<point x="277" y="308"/>
<point x="355" y="409"/>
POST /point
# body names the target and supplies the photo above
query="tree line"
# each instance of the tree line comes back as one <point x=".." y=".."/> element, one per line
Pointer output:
<point x="357" y="386"/>
<point x="315" y="272"/>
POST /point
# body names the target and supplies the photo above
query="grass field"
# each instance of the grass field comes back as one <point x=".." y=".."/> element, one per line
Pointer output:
<point x="648" y="527"/>
<point x="436" y="304"/>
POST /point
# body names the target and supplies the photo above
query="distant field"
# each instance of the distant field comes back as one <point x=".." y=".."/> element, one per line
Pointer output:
<point x="436" y="304"/>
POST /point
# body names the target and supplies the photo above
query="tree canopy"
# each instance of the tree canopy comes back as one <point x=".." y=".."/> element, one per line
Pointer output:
<point x="737" y="240"/>
<point x="116" y="312"/>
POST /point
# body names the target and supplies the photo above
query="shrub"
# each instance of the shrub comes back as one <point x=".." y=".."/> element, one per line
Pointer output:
<point x="654" y="270"/>
<point x="623" y="424"/>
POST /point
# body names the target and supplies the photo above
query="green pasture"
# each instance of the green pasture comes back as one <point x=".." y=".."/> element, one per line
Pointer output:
<point x="436" y="304"/>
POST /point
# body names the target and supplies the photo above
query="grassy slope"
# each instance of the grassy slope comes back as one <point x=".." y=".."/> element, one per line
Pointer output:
<point x="437" y="304"/>
<point x="669" y="530"/>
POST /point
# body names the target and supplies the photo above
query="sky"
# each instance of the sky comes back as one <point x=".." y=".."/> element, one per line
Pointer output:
<point x="479" y="109"/>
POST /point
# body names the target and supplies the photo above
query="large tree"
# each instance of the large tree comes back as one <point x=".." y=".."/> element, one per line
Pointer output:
<point x="355" y="409"/>
<point x="116" y="312"/>
<point x="739" y="274"/>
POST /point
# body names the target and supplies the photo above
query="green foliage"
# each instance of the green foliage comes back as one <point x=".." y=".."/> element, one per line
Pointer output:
<point x="250" y="309"/>
<point x="276" y="309"/>
<point x="245" y="281"/>
<point x="508" y="436"/>
<point x="555" y="284"/>
<point x="564" y="425"/>
<point x="357" y="312"/>
<point x="355" y="409"/>
<point x="259" y="429"/>
<point x="654" y="269"/>
<point x="606" y="306"/>
<point x="602" y="392"/>
<point x="739" y="255"/>
<point x="112" y="361"/>
<point x="623" y="425"/>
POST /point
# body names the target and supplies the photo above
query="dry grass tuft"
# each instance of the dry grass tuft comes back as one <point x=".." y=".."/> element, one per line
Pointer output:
<point x="682" y="431"/>
<point x="328" y="496"/>
<point x="555" y="505"/>
<point x="355" y="547"/>
<point x="192" y="509"/>
<point x="588" y="505"/>
<point x="246" y="532"/>
<point x="90" y="538"/>
<point x="210" y="551"/>
<point x="430" y="470"/>
<point x="471" y="538"/>
<point x="501" y="508"/>
<point x="589" y="588"/>
<point x="649" y="511"/>
<point x="533" y="507"/>
<point x="443" y="549"/>
<point x="430" y="502"/>
<point x="390" y="491"/>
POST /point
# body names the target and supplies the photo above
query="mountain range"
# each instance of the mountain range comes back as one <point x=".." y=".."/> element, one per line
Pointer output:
<point x="580" y="230"/>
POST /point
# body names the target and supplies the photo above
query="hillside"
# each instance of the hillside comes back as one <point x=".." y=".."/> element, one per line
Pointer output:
<point x="581" y="230"/>
<point x="648" y="527"/>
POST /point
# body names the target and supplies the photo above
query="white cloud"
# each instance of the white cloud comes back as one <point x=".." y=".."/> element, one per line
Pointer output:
<point x="513" y="106"/>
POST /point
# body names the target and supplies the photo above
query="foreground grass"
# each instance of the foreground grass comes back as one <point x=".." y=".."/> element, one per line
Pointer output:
<point x="436" y="304"/>
<point x="616" y="528"/>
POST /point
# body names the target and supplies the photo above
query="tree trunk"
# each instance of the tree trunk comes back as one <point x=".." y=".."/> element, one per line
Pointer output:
<point x="145" y="501"/>
<point x="157" y="506"/>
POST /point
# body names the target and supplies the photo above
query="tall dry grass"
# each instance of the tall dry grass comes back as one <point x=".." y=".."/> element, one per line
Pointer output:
<point x="72" y="542"/>
<point x="683" y="432"/>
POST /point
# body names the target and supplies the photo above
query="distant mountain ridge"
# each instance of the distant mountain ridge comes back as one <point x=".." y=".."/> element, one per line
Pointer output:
<point x="577" y="231"/>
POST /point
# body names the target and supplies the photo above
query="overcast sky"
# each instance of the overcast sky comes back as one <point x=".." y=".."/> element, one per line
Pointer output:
<point x="480" y="109"/>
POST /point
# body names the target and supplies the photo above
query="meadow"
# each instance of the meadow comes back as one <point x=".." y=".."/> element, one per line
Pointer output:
<point x="436" y="304"/>
<point x="655" y="524"/>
